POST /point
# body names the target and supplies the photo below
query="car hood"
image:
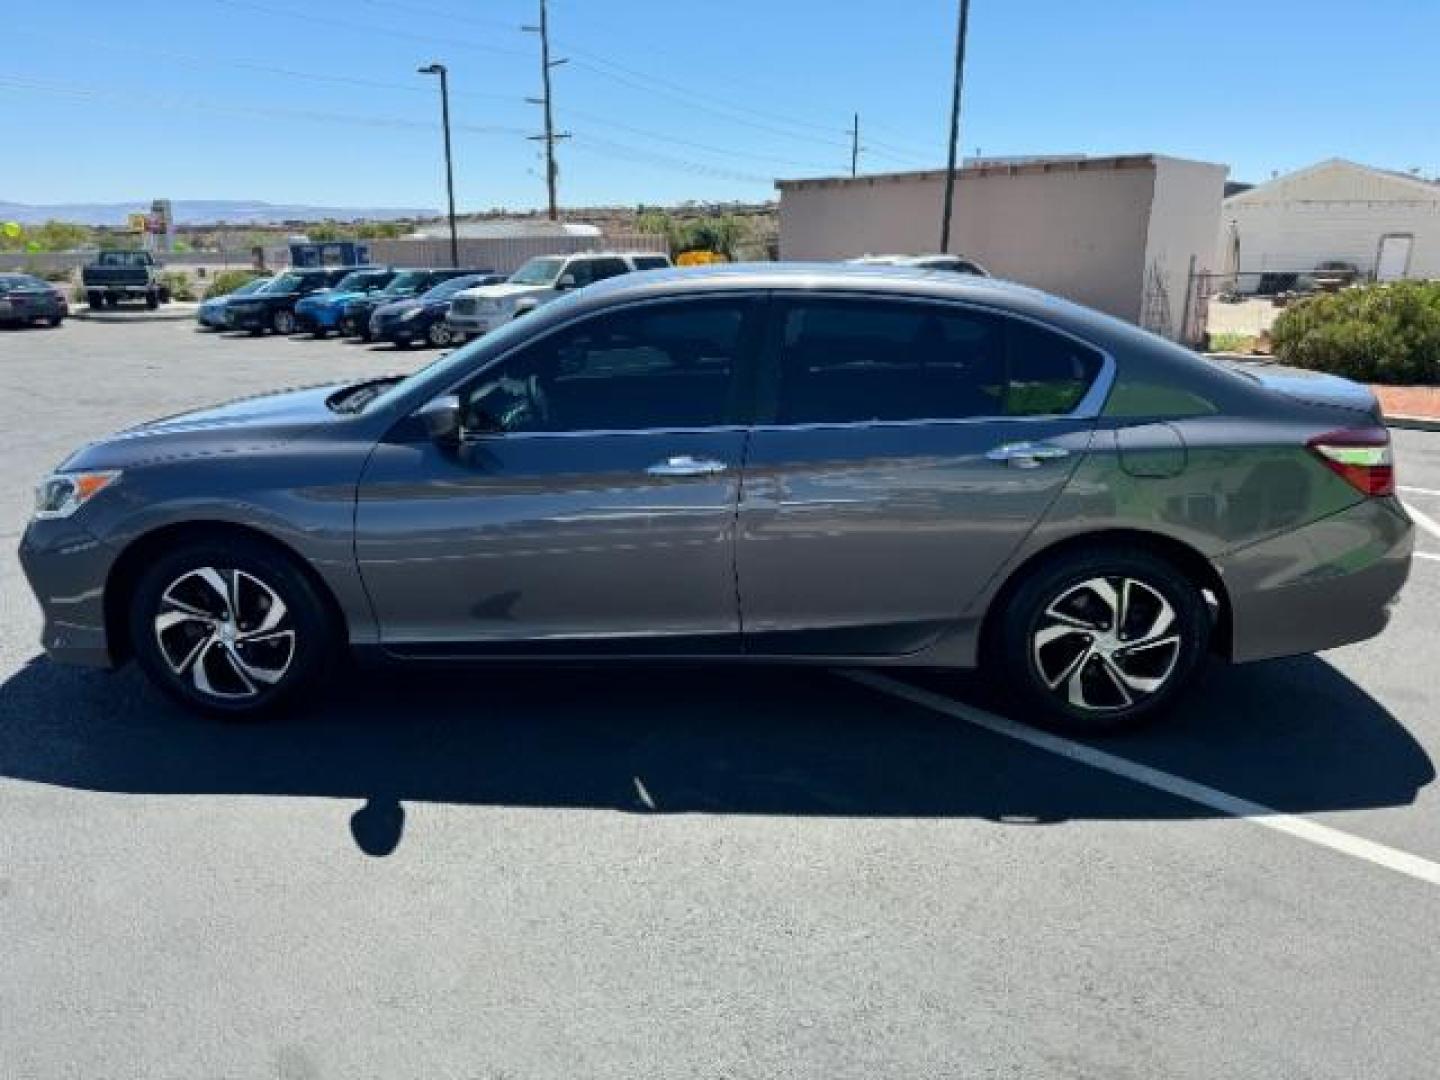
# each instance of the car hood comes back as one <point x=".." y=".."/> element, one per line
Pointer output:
<point x="502" y="292"/>
<point x="395" y="308"/>
<point x="235" y="427"/>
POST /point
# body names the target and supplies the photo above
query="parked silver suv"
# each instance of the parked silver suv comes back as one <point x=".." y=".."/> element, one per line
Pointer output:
<point x="478" y="311"/>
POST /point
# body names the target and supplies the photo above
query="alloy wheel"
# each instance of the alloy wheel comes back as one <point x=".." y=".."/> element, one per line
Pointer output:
<point x="226" y="632"/>
<point x="284" y="322"/>
<point x="1106" y="644"/>
<point x="439" y="335"/>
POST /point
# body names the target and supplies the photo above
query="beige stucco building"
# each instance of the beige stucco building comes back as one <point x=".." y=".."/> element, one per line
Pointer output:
<point x="1116" y="233"/>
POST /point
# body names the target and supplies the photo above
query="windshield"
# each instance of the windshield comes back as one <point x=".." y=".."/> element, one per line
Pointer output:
<point x="361" y="280"/>
<point x="447" y="289"/>
<point x="541" y="271"/>
<point x="287" y="283"/>
<point x="409" y="281"/>
<point x="254" y="285"/>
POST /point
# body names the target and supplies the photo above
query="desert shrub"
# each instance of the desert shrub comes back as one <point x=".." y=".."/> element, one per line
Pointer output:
<point x="227" y="281"/>
<point x="179" y="283"/>
<point x="1378" y="333"/>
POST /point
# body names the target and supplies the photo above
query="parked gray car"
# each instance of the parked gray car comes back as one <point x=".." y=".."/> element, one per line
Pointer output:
<point x="807" y="464"/>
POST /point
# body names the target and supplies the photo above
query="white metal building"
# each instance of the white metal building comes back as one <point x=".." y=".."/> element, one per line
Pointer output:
<point x="1386" y="224"/>
<point x="1116" y="233"/>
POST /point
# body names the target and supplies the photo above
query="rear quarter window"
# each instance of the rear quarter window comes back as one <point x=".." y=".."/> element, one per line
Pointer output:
<point x="1048" y="372"/>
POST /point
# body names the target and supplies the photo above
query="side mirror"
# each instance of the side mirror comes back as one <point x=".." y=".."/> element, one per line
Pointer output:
<point x="566" y="281"/>
<point x="441" y="418"/>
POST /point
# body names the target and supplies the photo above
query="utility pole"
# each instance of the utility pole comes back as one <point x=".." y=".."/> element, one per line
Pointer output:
<point x="443" y="72"/>
<point x="855" y="148"/>
<point x="546" y="64"/>
<point x="954" y="127"/>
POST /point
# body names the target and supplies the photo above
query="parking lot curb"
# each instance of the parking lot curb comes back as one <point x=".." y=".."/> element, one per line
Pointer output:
<point x="169" y="313"/>
<point x="1414" y="423"/>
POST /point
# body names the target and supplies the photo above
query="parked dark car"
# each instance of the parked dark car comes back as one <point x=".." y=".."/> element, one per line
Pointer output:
<point x="212" y="315"/>
<point x="25" y="300"/>
<point x="355" y="317"/>
<point x="123" y="275"/>
<point x="802" y="464"/>
<point x="421" y="319"/>
<point x="274" y="308"/>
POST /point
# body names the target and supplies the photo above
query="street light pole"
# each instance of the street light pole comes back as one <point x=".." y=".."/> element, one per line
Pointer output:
<point x="444" y="73"/>
<point x="954" y="127"/>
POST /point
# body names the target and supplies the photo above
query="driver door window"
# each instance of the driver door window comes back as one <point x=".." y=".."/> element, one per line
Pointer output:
<point x="662" y="366"/>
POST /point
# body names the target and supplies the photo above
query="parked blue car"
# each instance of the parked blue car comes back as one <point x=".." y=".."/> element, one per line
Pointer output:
<point x="212" y="315"/>
<point x="320" y="312"/>
<point x="413" y="320"/>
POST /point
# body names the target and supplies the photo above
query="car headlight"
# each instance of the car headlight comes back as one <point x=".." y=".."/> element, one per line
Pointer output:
<point x="60" y="495"/>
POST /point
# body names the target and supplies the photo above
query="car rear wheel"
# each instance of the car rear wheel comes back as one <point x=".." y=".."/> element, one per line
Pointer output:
<point x="1102" y="640"/>
<point x="230" y="628"/>
<point x="55" y="320"/>
<point x="283" y="322"/>
<point x="439" y="335"/>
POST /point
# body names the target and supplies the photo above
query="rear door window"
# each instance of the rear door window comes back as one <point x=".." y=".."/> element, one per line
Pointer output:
<point x="847" y="361"/>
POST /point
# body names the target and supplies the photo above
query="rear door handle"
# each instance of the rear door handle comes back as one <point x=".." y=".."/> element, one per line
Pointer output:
<point x="1027" y="455"/>
<point x="685" y="465"/>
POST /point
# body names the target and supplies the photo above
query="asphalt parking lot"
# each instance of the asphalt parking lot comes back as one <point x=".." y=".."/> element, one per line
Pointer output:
<point x="693" y="873"/>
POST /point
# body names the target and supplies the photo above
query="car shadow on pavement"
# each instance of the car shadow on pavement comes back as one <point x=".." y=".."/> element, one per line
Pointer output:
<point x="1295" y="735"/>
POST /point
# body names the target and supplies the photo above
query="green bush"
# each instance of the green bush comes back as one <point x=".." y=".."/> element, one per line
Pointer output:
<point x="1377" y="333"/>
<point x="179" y="284"/>
<point x="227" y="281"/>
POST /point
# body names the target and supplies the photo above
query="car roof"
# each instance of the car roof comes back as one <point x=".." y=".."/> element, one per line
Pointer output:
<point x="870" y="279"/>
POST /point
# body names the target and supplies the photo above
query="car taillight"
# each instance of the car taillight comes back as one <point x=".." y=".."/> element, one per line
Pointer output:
<point x="1360" y="456"/>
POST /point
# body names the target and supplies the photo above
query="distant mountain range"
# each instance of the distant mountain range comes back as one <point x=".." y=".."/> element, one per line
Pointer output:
<point x="205" y="212"/>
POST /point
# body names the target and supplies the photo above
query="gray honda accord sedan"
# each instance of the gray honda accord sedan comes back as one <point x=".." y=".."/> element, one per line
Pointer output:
<point x="799" y="464"/>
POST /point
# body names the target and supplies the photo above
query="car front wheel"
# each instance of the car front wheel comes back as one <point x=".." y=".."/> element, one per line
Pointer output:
<point x="231" y="628"/>
<point x="439" y="335"/>
<point x="1101" y="640"/>
<point x="283" y="322"/>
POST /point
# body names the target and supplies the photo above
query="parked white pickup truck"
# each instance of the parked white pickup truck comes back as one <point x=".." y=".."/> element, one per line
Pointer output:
<point x="478" y="311"/>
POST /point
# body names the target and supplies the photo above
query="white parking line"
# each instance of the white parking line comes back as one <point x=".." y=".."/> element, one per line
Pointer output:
<point x="1425" y="521"/>
<point x="1416" y="491"/>
<point x="1426" y="555"/>
<point x="1301" y="828"/>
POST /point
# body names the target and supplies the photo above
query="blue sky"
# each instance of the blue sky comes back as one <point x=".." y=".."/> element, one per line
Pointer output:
<point x="318" y="101"/>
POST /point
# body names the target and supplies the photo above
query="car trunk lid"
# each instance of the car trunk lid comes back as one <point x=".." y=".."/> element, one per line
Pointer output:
<point x="1312" y="387"/>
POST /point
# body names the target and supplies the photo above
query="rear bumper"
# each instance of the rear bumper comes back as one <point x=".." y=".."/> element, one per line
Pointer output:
<point x="1328" y="584"/>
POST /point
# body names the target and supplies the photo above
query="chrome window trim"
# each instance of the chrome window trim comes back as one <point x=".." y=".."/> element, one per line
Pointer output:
<point x="1090" y="407"/>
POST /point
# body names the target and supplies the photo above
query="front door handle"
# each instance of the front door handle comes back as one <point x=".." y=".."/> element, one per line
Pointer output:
<point x="1027" y="455"/>
<point x="685" y="465"/>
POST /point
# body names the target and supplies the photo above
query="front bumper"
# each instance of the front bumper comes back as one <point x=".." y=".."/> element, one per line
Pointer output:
<point x="253" y="319"/>
<point x="316" y="318"/>
<point x="67" y="568"/>
<point x="1331" y="583"/>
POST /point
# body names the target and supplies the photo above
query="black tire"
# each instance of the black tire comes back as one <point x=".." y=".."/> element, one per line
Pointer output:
<point x="320" y="333"/>
<point x="439" y="334"/>
<point x="283" y="322"/>
<point x="55" y="320"/>
<point x="307" y="654"/>
<point x="152" y="300"/>
<point x="95" y="299"/>
<point x="1060" y="622"/>
<point x="111" y="300"/>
